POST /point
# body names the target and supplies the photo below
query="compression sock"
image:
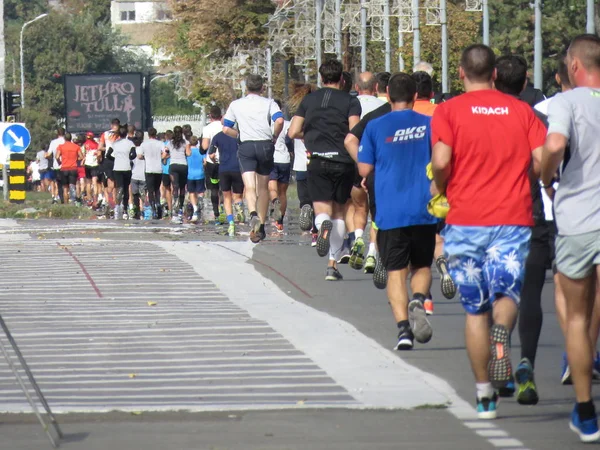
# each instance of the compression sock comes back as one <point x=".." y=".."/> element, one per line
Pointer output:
<point x="337" y="238"/>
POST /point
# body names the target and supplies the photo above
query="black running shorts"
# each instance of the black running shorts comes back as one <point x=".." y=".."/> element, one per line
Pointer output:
<point x="166" y="180"/>
<point x="69" y="176"/>
<point x="330" y="181"/>
<point x="401" y="247"/>
<point x="231" y="181"/>
<point x="91" y="172"/>
<point x="256" y="156"/>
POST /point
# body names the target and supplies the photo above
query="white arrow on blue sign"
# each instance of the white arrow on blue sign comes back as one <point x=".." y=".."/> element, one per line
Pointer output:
<point x="16" y="138"/>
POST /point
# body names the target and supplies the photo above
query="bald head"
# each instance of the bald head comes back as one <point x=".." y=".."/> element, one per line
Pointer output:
<point x="366" y="84"/>
<point x="478" y="63"/>
<point x="423" y="66"/>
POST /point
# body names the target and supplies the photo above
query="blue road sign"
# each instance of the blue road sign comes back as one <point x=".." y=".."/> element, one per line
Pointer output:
<point x="16" y="138"/>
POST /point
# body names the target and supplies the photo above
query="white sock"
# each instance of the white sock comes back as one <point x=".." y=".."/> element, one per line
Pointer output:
<point x="358" y="233"/>
<point x="372" y="249"/>
<point x="336" y="240"/>
<point x="320" y="219"/>
<point x="195" y="208"/>
<point x="484" y="390"/>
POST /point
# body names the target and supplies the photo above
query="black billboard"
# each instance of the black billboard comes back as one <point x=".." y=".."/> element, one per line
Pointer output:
<point x="93" y="100"/>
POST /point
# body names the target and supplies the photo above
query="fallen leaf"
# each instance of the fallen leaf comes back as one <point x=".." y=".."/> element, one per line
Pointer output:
<point x="152" y="303"/>
<point x="132" y="375"/>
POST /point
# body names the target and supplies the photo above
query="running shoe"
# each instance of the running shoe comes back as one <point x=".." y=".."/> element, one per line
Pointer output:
<point x="428" y="305"/>
<point x="255" y="229"/>
<point x="194" y="218"/>
<point x="118" y="213"/>
<point x="231" y="230"/>
<point x="279" y="227"/>
<point x="499" y="368"/>
<point x="345" y="253"/>
<point x="176" y="219"/>
<point x="527" y="394"/>
<point x="419" y="324"/>
<point x="306" y="217"/>
<point x="131" y="211"/>
<point x="126" y="216"/>
<point x="276" y="211"/>
<point x="313" y="242"/>
<point x="333" y="274"/>
<point x="370" y="264"/>
<point x="586" y="429"/>
<point x="405" y="339"/>
<point x="239" y="213"/>
<point x="380" y="275"/>
<point x="486" y="407"/>
<point x="357" y="259"/>
<point x="448" y="286"/>
<point x="508" y="390"/>
<point x="565" y="377"/>
<point x="323" y="239"/>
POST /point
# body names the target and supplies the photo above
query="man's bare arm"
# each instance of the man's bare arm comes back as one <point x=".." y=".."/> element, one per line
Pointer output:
<point x="296" y="127"/>
<point x="552" y="155"/>
<point x="441" y="165"/>
<point x="352" y="143"/>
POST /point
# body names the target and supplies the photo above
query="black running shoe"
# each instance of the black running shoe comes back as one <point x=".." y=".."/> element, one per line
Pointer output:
<point x="500" y="368"/>
<point x="323" y="239"/>
<point x="306" y="217"/>
<point x="447" y="283"/>
<point x="255" y="235"/>
<point x="405" y="339"/>
<point x="333" y="274"/>
<point x="380" y="276"/>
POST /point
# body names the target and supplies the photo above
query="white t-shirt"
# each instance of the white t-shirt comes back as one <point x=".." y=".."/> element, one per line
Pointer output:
<point x="35" y="171"/>
<point x="152" y="151"/>
<point x="548" y="210"/>
<point x="177" y="154"/>
<point x="52" y="150"/>
<point x="369" y="103"/>
<point x="43" y="161"/>
<point x="282" y="155"/>
<point x="209" y="132"/>
<point x="138" y="172"/>
<point x="300" y="159"/>
<point x="252" y="114"/>
<point x="121" y="149"/>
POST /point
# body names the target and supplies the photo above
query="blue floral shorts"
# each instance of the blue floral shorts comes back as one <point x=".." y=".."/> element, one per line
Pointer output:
<point x="486" y="263"/>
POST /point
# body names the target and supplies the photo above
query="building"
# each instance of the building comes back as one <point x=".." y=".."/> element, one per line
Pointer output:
<point x="140" y="21"/>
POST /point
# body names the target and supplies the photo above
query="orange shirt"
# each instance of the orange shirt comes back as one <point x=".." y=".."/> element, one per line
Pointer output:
<point x="424" y="107"/>
<point x="68" y="155"/>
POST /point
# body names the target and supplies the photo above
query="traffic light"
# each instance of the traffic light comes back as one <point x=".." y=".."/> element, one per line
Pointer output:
<point x="12" y="102"/>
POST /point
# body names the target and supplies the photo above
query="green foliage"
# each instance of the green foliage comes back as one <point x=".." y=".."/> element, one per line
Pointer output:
<point x="165" y="101"/>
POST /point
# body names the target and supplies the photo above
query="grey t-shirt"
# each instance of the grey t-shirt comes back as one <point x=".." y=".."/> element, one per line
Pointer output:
<point x="576" y="115"/>
<point x="152" y="151"/>
<point x="138" y="172"/>
<point x="41" y="157"/>
<point x="177" y="154"/>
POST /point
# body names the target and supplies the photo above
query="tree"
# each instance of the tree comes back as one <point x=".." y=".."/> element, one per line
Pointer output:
<point x="165" y="101"/>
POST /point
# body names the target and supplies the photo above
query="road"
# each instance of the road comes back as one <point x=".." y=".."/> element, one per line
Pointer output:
<point x="201" y="341"/>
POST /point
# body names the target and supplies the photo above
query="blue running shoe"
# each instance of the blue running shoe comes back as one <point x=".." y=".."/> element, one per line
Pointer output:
<point x="486" y="407"/>
<point x="586" y="429"/>
<point x="565" y="377"/>
<point x="508" y="390"/>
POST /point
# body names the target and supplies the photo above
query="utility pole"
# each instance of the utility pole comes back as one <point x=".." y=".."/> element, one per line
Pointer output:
<point x="444" y="24"/>
<point x="486" y="23"/>
<point x="338" y="29"/>
<point x="416" y="33"/>
<point x="363" y="35"/>
<point x="269" y="58"/>
<point x="318" y="36"/>
<point x="386" y="36"/>
<point x="590" y="26"/>
<point x="537" y="47"/>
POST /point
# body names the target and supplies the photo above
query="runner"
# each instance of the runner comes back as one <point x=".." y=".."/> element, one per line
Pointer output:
<point x="574" y="120"/>
<point x="383" y="78"/>
<point x="150" y="151"/>
<point x="56" y="181"/>
<point x="166" y="186"/>
<point x="68" y="154"/>
<point x="196" y="182"/>
<point x="230" y="178"/>
<point x="90" y="148"/>
<point x="358" y="206"/>
<point x="483" y="146"/>
<point x="138" y="179"/>
<point x="279" y="179"/>
<point x="212" y="169"/>
<point x="323" y="119"/>
<point x="107" y="165"/>
<point x="45" y="173"/>
<point x="423" y="66"/>
<point x="121" y="153"/>
<point x="254" y="115"/>
<point x="406" y="231"/>
<point x="178" y="170"/>
<point x="80" y="186"/>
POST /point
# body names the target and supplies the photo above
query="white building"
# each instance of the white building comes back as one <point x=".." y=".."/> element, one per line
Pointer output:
<point x="141" y="21"/>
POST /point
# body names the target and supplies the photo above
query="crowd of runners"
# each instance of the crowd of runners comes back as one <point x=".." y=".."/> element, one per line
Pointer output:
<point x="496" y="186"/>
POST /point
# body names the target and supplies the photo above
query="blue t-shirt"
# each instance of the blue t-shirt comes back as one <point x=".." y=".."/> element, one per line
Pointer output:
<point x="399" y="146"/>
<point x="167" y="165"/>
<point x="228" y="148"/>
<point x="196" y="165"/>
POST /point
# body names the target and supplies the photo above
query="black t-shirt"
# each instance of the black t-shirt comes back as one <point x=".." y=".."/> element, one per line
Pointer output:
<point x="326" y="114"/>
<point x="359" y="129"/>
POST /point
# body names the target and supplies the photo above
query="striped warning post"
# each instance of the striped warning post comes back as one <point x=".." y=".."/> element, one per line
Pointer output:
<point x="17" y="178"/>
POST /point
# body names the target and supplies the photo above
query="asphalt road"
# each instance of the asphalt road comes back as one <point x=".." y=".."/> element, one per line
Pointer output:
<point x="345" y="332"/>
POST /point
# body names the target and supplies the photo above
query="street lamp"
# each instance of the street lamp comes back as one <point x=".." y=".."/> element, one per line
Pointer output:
<point x="21" y="52"/>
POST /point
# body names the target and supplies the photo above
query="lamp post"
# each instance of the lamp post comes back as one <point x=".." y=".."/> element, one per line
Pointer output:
<point x="21" y="52"/>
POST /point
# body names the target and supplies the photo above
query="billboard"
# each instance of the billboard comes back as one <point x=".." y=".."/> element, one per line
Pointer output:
<point x="92" y="101"/>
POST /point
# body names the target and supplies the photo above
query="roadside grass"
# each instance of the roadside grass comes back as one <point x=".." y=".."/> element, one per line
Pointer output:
<point x="38" y="205"/>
